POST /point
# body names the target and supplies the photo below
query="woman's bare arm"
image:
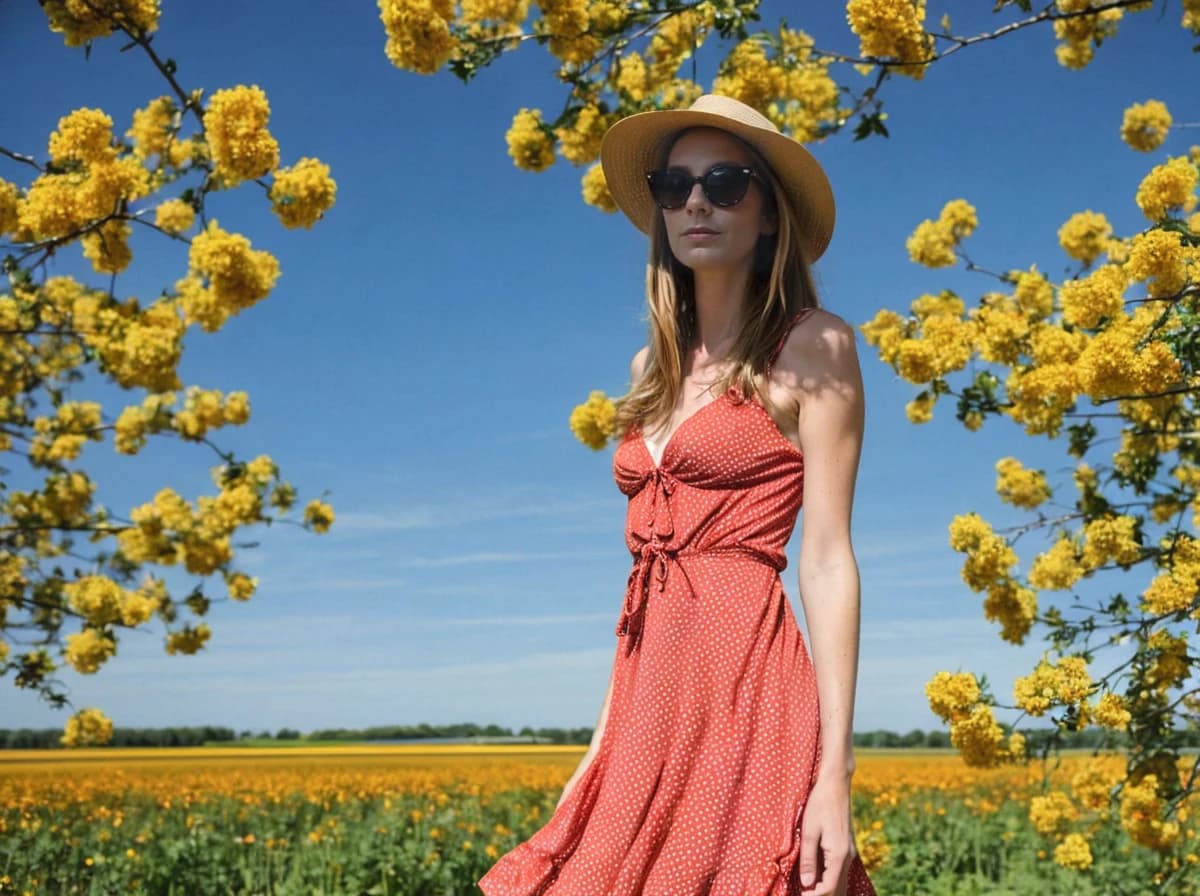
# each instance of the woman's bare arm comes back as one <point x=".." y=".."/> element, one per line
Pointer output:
<point x="821" y="363"/>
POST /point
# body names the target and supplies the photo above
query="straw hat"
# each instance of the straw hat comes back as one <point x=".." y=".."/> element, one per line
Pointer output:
<point x="630" y="149"/>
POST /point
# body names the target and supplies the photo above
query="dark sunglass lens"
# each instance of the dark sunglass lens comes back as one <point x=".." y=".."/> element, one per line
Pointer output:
<point x="670" y="188"/>
<point x="726" y="186"/>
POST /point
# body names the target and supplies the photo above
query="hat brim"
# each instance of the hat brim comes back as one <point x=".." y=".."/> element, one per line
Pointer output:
<point x="630" y="146"/>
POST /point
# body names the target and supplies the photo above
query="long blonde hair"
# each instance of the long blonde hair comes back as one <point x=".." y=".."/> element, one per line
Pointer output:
<point x="780" y="286"/>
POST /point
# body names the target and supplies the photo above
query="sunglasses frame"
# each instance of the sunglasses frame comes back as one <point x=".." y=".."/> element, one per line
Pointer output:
<point x="702" y="180"/>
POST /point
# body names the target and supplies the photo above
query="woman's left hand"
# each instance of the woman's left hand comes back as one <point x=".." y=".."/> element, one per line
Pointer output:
<point x="826" y="838"/>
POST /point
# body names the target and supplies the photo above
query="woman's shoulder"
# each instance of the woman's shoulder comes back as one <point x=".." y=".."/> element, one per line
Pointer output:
<point x="638" y="365"/>
<point x="820" y="344"/>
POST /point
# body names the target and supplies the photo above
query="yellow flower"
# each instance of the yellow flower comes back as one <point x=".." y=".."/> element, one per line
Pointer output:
<point x="174" y="216"/>
<point x="1013" y="606"/>
<point x="1111" y="712"/>
<point x="1051" y="813"/>
<point x="893" y="29"/>
<point x="988" y="555"/>
<point x="319" y="515"/>
<point x="1169" y="186"/>
<point x="236" y="126"/>
<point x="301" y="195"/>
<point x="1110" y="538"/>
<point x="88" y="727"/>
<point x="920" y="409"/>
<point x="595" y="189"/>
<point x="80" y="21"/>
<point x="1100" y="295"/>
<point x="1160" y="255"/>
<point x="88" y="650"/>
<point x="1074" y="852"/>
<point x="107" y="247"/>
<point x="580" y="143"/>
<point x="153" y="129"/>
<point x="189" y="639"/>
<point x="1066" y="682"/>
<point x="1084" y="236"/>
<point x="530" y="147"/>
<point x="418" y="33"/>
<point x="952" y="694"/>
<point x="1145" y="125"/>
<point x="9" y="196"/>
<point x="1142" y="810"/>
<point x="1019" y="486"/>
<point x="979" y="738"/>
<point x="84" y="135"/>
<point x="594" y="421"/>
<point x="1169" y="592"/>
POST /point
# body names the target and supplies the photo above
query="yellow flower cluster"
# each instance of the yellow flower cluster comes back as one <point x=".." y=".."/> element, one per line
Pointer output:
<point x="418" y="33"/>
<point x="1099" y="296"/>
<point x="1013" y="606"/>
<point x="319" y="515"/>
<point x="792" y="87"/>
<point x="189" y="639"/>
<point x="580" y="143"/>
<point x="107" y="246"/>
<point x="1191" y="16"/>
<point x="873" y="846"/>
<point x="226" y="276"/>
<point x="1145" y="125"/>
<point x="1052" y="813"/>
<point x="101" y="601"/>
<point x="951" y="695"/>
<point x="87" y="728"/>
<point x="10" y="196"/>
<point x="301" y="195"/>
<point x="1159" y="256"/>
<point x="1066" y="682"/>
<point x="529" y="144"/>
<point x="508" y="11"/>
<point x="979" y="738"/>
<point x="136" y="421"/>
<point x="933" y="242"/>
<point x="1074" y="852"/>
<point x="1168" y="187"/>
<point x="62" y="504"/>
<point x="153" y="132"/>
<point x="1110" y="711"/>
<point x="1085" y="235"/>
<point x="1019" y="486"/>
<point x="678" y="37"/>
<point x="1033" y="292"/>
<point x="989" y="556"/>
<point x="567" y="24"/>
<point x="1178" y="588"/>
<point x="206" y="409"/>
<point x="88" y="184"/>
<point x="1079" y="34"/>
<point x="174" y="216"/>
<point x="595" y="189"/>
<point x="1172" y="663"/>
<point x="1115" y="364"/>
<point x="894" y="29"/>
<point x="1110" y="538"/>
<point x="81" y="21"/>
<point x="594" y="421"/>
<point x="1142" y="809"/>
<point x="62" y="436"/>
<point x="1093" y="785"/>
<point x="88" y="650"/>
<point x="235" y="123"/>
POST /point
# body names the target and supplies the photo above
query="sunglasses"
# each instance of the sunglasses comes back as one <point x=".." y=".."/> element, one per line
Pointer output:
<point x="724" y="185"/>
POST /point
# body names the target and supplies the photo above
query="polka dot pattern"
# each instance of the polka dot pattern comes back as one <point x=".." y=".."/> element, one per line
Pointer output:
<point x="711" y="744"/>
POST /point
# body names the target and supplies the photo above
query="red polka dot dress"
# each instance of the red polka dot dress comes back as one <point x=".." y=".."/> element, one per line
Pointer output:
<point x="711" y="744"/>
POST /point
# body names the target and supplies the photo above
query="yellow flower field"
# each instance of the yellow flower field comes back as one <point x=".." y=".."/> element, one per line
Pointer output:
<point x="431" y="819"/>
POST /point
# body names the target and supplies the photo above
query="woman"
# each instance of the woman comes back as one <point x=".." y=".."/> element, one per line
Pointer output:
<point x="722" y="759"/>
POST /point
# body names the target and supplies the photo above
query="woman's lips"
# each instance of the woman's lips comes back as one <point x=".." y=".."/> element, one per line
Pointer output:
<point x="699" y="235"/>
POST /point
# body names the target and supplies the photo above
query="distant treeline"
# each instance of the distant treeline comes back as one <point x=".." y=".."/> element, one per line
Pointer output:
<point x="48" y="738"/>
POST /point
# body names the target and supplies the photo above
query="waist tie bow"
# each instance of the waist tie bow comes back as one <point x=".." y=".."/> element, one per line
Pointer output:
<point x="652" y="561"/>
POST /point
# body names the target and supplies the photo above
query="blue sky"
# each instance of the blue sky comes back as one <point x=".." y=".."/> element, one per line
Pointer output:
<point x="423" y="349"/>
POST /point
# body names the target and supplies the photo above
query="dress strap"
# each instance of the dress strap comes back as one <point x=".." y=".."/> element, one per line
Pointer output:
<point x="782" y="339"/>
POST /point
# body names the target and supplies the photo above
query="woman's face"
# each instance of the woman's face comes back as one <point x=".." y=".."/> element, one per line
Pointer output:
<point x="735" y="228"/>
